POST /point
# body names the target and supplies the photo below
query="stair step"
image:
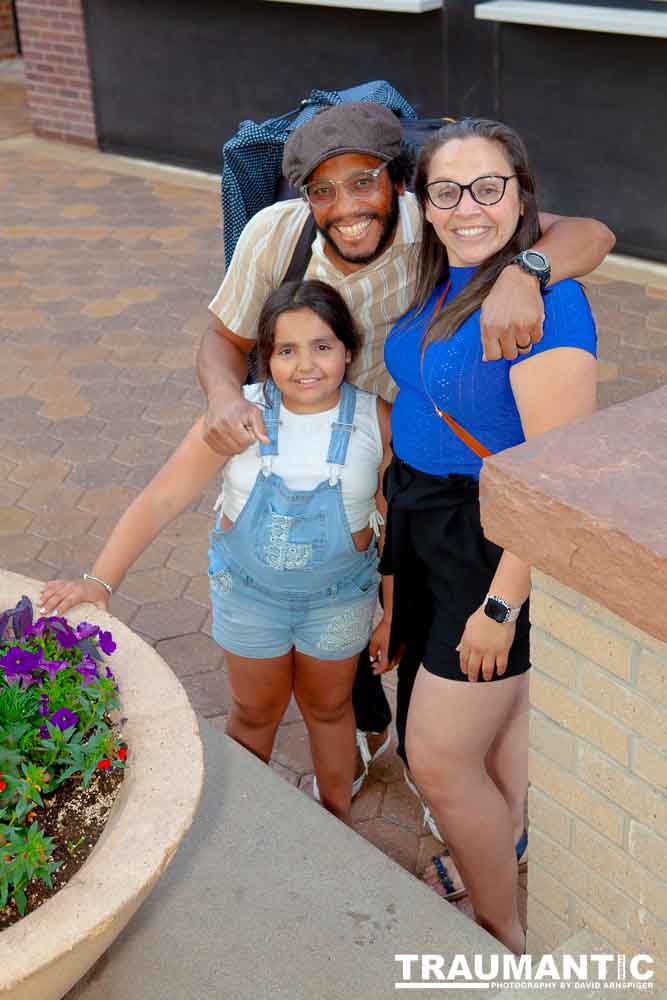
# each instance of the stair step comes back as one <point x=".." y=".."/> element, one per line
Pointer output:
<point x="269" y="896"/>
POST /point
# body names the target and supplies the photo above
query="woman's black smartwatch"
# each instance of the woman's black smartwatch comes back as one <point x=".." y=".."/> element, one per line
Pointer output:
<point x="535" y="263"/>
<point x="500" y="611"/>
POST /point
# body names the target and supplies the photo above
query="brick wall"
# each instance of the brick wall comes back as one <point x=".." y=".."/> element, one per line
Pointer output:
<point x="7" y="35"/>
<point x="53" y="40"/>
<point x="598" y="771"/>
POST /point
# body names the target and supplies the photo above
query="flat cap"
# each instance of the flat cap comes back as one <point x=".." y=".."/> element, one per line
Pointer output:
<point x="356" y="127"/>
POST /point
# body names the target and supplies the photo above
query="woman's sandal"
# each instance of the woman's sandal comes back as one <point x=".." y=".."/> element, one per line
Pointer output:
<point x="521" y="848"/>
<point x="451" y="893"/>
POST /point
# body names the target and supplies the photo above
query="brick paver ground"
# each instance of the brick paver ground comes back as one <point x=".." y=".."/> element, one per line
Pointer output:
<point x="105" y="272"/>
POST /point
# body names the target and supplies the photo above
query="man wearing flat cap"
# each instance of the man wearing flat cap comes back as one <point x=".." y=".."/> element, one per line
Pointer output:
<point x="367" y="241"/>
<point x="347" y="164"/>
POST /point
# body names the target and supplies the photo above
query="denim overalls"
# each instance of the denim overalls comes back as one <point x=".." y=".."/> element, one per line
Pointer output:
<point x="288" y="574"/>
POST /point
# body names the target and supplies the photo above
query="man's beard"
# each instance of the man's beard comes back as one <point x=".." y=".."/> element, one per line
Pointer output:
<point x="389" y="223"/>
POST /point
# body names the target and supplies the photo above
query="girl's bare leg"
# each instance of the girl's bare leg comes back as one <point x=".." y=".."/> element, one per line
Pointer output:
<point x="261" y="690"/>
<point x="323" y="690"/>
<point x="452" y="727"/>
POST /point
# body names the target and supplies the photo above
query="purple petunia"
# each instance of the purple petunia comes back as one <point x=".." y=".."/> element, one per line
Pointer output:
<point x="88" y="670"/>
<point x="19" y="659"/>
<point x="44" y="705"/>
<point x="19" y="662"/>
<point x="42" y="624"/>
<point x="63" y="718"/>
<point x="66" y="637"/>
<point x="52" y="667"/>
<point x="107" y="645"/>
<point x="85" y="629"/>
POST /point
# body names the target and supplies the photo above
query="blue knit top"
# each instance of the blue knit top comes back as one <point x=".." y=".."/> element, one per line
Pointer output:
<point x="476" y="393"/>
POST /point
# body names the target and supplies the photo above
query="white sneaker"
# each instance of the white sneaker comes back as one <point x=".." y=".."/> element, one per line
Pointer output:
<point x="367" y="759"/>
<point x="429" y="820"/>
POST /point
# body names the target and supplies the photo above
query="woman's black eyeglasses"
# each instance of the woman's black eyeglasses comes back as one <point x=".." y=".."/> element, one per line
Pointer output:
<point x="484" y="190"/>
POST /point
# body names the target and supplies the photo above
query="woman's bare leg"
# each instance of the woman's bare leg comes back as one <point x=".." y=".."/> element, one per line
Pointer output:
<point x="452" y="726"/>
<point x="507" y="765"/>
<point x="507" y="759"/>
<point x="323" y="690"/>
<point x="261" y="690"/>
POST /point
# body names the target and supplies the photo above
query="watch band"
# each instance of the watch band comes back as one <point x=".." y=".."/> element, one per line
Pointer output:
<point x="540" y="271"/>
<point x="511" y="614"/>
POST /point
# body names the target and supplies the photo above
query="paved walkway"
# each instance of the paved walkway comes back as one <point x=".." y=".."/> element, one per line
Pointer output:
<point x="106" y="267"/>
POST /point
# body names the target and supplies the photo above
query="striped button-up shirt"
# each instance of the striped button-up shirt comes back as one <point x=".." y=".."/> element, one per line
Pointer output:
<point x="377" y="294"/>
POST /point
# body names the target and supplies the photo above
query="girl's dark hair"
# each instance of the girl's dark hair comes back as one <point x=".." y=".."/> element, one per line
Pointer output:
<point x="433" y="262"/>
<point x="321" y="298"/>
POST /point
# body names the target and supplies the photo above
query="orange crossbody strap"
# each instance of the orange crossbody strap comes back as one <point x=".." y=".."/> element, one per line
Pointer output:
<point x="480" y="450"/>
<point x="471" y="442"/>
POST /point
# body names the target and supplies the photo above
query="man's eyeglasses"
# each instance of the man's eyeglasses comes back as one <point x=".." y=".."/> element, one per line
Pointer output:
<point x="323" y="193"/>
<point x="484" y="190"/>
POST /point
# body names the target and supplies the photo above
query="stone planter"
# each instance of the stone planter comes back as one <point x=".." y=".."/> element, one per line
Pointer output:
<point x="46" y="953"/>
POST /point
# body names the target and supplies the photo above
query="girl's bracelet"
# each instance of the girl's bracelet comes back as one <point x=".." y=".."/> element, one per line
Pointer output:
<point x="96" y="579"/>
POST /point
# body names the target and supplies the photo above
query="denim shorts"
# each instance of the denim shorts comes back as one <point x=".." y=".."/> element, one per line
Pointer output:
<point x="331" y="623"/>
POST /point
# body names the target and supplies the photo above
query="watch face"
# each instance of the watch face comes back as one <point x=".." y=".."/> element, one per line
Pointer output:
<point x="535" y="260"/>
<point x="495" y="610"/>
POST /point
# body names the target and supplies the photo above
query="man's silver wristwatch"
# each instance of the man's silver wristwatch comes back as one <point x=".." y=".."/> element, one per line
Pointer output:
<point x="536" y="263"/>
<point x="499" y="610"/>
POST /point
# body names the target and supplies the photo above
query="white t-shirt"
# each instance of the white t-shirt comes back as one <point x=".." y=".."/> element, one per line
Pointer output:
<point x="301" y="462"/>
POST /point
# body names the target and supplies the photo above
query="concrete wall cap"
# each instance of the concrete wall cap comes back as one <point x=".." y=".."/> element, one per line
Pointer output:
<point x="586" y="504"/>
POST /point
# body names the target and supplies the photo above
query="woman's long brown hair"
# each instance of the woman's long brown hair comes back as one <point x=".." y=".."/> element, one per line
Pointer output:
<point x="433" y="262"/>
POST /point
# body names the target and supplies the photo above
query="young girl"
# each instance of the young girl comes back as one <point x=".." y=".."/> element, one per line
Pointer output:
<point x="293" y="557"/>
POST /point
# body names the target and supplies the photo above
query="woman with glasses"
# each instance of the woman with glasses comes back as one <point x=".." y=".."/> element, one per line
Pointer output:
<point x="467" y="737"/>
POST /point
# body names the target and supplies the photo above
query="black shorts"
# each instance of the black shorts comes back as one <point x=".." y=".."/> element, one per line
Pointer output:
<point x="442" y="566"/>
